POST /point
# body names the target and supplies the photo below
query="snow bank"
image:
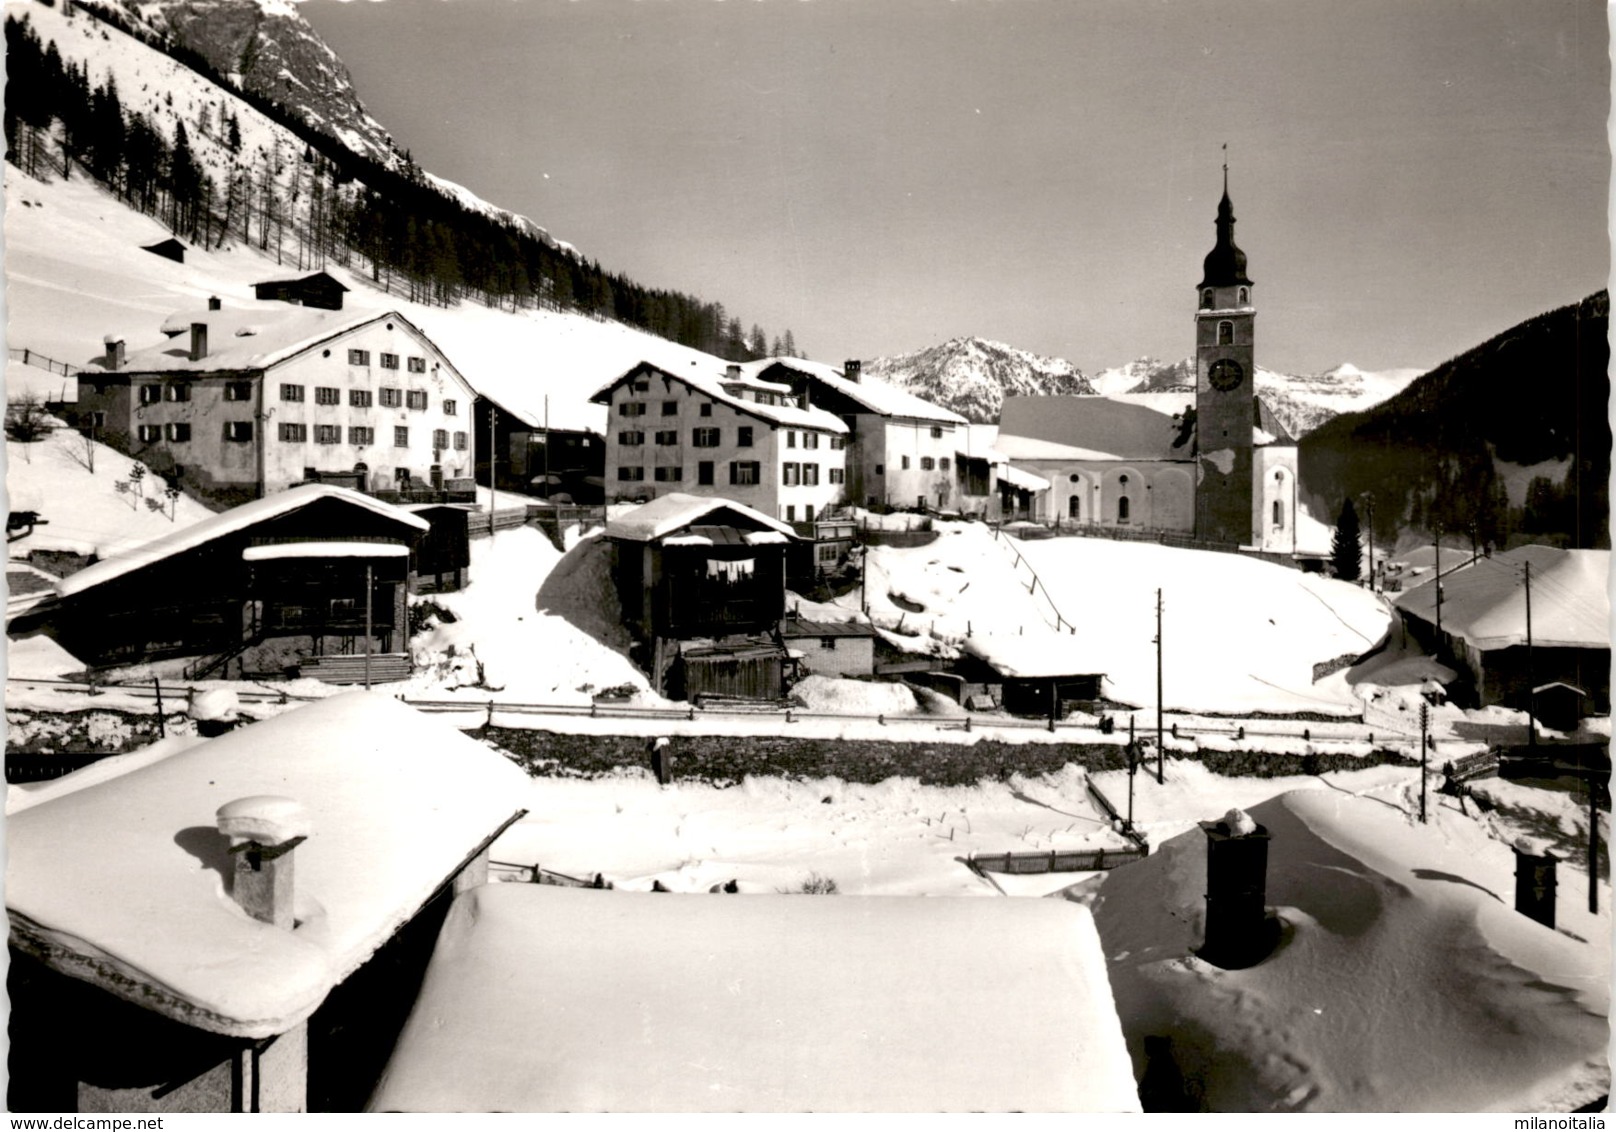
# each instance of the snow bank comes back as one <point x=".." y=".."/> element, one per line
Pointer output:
<point x="855" y="697"/>
<point x="759" y="1003"/>
<point x="1403" y="979"/>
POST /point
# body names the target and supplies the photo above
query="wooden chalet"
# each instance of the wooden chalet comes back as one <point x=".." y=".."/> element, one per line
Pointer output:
<point x="317" y="290"/>
<point x="524" y="454"/>
<point x="275" y="585"/>
<point x="702" y="584"/>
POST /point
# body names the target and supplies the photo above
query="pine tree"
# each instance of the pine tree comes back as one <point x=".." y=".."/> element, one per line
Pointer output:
<point x="790" y="346"/>
<point x="1346" y="548"/>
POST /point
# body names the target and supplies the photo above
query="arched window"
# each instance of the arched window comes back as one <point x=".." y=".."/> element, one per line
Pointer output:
<point x="1225" y="333"/>
<point x="1074" y="507"/>
<point x="1122" y="508"/>
<point x="1279" y="515"/>
<point x="1206" y="298"/>
<point x="1245" y="296"/>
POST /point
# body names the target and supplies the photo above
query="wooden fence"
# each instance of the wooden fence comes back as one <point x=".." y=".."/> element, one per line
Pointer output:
<point x="1055" y="861"/>
<point x="39" y="361"/>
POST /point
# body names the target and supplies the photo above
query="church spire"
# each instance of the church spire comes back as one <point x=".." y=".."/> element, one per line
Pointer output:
<point x="1225" y="264"/>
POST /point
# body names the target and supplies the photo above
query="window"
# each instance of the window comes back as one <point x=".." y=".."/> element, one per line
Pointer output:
<point x="238" y="430"/>
<point x="704" y="472"/>
<point x="361" y="435"/>
<point x="178" y="432"/>
<point x="707" y="409"/>
<point x="293" y="433"/>
<point x="791" y="439"/>
<point x="151" y="394"/>
<point x="179" y="391"/>
<point x="936" y="432"/>
<point x="810" y="440"/>
<point x="838" y="442"/>
<point x="670" y="408"/>
<point x="906" y="463"/>
<point x="1074" y="507"/>
<point x="667" y="438"/>
<point x="640" y="386"/>
<point x="1225" y="333"/>
<point x="415" y="398"/>
<point x="927" y="464"/>
<point x="704" y="437"/>
<point x="460" y="441"/>
<point x="417" y="365"/>
<point x="389" y="361"/>
<point x="943" y="463"/>
<point x="1207" y="297"/>
<point x="880" y="469"/>
<point x="808" y="512"/>
<point x="328" y="434"/>
<point x="1123" y="507"/>
<point x="810" y="476"/>
<point x="838" y="475"/>
<point x="392" y="398"/>
<point x="670" y="474"/>
<point x="828" y="552"/>
<point x="359" y="357"/>
<point x="149" y="433"/>
<point x="401" y="436"/>
<point x="1075" y="478"/>
<point x="327" y="395"/>
<point x="238" y="391"/>
<point x="440" y="438"/>
<point x="743" y="436"/>
<point x="624" y="473"/>
<point x="291" y="393"/>
<point x="631" y="409"/>
<point x="631" y="439"/>
<point x="791" y="513"/>
<point x="1245" y="296"/>
<point x="790" y="475"/>
<point x="360" y="398"/>
<point x="744" y="472"/>
<point x="451" y="408"/>
<point x="1279" y="515"/>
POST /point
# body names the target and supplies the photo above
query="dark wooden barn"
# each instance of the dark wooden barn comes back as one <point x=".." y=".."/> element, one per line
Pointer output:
<point x="317" y="290"/>
<point x="168" y="249"/>
<point x="443" y="555"/>
<point x="1043" y="674"/>
<point x="276" y="584"/>
<point x="567" y="465"/>
<point x="702" y="586"/>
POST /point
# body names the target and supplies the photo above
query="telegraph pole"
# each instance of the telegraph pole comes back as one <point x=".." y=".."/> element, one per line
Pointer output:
<point x="369" y="590"/>
<point x="1531" y="696"/>
<point x="1159" y="778"/>
<point x="493" y="459"/>
<point x="1133" y="766"/>
<point x="1425" y="722"/>
<point x="1439" y="589"/>
<point x="1369" y="509"/>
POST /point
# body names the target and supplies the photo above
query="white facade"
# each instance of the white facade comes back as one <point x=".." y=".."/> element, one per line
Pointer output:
<point x="904" y="462"/>
<point x="1273" y="519"/>
<point x="735" y="439"/>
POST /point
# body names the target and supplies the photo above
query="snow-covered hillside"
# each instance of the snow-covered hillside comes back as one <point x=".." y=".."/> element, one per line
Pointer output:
<point x="972" y="376"/>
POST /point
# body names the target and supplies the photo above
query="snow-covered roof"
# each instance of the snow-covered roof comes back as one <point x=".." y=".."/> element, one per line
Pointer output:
<point x="549" y="999"/>
<point x="1031" y="656"/>
<point x="877" y="396"/>
<point x="673" y="512"/>
<point x="1125" y="427"/>
<point x="1020" y="477"/>
<point x="122" y="882"/>
<point x="226" y="523"/>
<point x="1405" y="980"/>
<point x="278" y="550"/>
<point x="711" y="384"/>
<point x="1485" y="602"/>
<point x="248" y="338"/>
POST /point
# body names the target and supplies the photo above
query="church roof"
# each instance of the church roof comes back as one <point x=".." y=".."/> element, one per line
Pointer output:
<point x="1107" y="427"/>
<point x="1225" y="264"/>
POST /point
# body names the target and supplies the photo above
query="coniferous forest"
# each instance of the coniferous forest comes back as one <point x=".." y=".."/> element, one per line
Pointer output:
<point x="1432" y="458"/>
<point x="332" y="206"/>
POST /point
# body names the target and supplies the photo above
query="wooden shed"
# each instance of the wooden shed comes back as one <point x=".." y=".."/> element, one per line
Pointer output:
<point x="317" y="290"/>
<point x="443" y="555"/>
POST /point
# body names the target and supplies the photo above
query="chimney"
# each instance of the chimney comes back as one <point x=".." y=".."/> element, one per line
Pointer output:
<point x="213" y="303"/>
<point x="732" y="371"/>
<point x="114" y="355"/>
<point x="853" y="369"/>
<point x="199" y="341"/>
<point x="1536" y="878"/>
<point x="1239" y="932"/>
<point x="263" y="830"/>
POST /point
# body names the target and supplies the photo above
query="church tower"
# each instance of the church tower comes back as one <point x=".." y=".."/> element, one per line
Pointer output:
<point x="1225" y="390"/>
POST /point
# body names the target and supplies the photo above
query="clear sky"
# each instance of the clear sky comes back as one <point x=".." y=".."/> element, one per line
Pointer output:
<point x="1409" y="176"/>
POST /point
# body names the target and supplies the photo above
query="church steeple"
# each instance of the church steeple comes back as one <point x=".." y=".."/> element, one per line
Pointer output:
<point x="1225" y="264"/>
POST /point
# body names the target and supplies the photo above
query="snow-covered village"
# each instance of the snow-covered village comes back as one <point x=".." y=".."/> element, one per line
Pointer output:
<point x="398" y="721"/>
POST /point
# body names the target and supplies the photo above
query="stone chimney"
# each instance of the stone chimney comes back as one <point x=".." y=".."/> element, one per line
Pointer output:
<point x="214" y="303"/>
<point x="199" y="341"/>
<point x="114" y="355"/>
<point x="263" y="830"/>
<point x="733" y="371"/>
<point x="853" y="369"/>
<point x="1239" y="932"/>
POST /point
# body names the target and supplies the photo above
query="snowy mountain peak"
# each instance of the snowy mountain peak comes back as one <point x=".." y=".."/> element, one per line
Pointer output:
<point x="972" y="376"/>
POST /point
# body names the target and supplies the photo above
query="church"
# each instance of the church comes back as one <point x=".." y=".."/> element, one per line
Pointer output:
<point x="1212" y="463"/>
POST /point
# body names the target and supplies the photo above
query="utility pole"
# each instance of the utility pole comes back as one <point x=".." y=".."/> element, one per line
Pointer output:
<point x="493" y="459"/>
<point x="1133" y="766"/>
<point x="369" y="590"/>
<point x="546" y="471"/>
<point x="1439" y="589"/>
<point x="1593" y="843"/>
<point x="1531" y="696"/>
<point x="1369" y="510"/>
<point x="1425" y="723"/>
<point x="1158" y="687"/>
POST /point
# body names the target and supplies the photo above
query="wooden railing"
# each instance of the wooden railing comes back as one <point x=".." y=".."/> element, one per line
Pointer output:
<point x="39" y="361"/>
